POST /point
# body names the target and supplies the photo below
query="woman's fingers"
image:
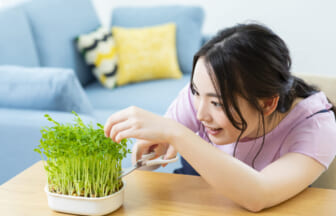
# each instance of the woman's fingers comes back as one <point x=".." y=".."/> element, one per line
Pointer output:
<point x="134" y="150"/>
<point x="139" y="148"/>
<point x="117" y="128"/>
<point x="115" y="119"/>
<point x="126" y="134"/>
<point x="171" y="153"/>
<point x="144" y="147"/>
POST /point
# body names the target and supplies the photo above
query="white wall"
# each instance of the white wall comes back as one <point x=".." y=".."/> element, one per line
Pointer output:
<point x="307" y="26"/>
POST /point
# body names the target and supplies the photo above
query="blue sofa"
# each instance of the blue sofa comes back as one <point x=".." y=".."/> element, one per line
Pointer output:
<point x="42" y="72"/>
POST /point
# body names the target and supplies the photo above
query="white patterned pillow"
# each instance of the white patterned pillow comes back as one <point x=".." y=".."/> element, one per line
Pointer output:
<point x="99" y="51"/>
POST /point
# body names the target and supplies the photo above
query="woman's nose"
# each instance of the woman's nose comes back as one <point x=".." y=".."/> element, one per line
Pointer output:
<point x="202" y="112"/>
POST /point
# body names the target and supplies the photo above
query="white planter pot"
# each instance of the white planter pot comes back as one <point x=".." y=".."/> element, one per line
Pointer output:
<point x="85" y="205"/>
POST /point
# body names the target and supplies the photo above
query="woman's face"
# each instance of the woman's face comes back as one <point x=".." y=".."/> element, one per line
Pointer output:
<point x="209" y="110"/>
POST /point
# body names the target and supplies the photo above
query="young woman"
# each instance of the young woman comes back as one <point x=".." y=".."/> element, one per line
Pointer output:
<point x="252" y="130"/>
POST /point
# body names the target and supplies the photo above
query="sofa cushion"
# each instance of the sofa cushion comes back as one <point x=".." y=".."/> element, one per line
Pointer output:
<point x="43" y="89"/>
<point x="154" y="96"/>
<point x="16" y="40"/>
<point x="55" y="25"/>
<point x="188" y="19"/>
<point x="146" y="53"/>
<point x="99" y="51"/>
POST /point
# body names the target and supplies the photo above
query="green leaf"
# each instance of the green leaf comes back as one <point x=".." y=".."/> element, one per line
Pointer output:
<point x="38" y="151"/>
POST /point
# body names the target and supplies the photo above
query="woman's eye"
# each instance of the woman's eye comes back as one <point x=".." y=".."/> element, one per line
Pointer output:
<point x="194" y="92"/>
<point x="216" y="104"/>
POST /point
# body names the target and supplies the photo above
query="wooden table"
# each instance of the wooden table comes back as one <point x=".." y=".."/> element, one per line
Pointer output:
<point x="152" y="193"/>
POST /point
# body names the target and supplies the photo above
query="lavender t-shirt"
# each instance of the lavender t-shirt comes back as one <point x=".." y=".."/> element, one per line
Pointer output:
<point x="300" y="131"/>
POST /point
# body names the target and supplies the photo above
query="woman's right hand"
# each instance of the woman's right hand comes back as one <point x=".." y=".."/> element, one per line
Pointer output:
<point x="144" y="147"/>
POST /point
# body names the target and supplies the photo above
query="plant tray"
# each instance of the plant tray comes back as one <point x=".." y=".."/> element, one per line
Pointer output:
<point x="85" y="205"/>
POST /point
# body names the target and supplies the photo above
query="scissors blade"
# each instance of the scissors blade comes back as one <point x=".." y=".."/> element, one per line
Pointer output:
<point x="127" y="171"/>
<point x="139" y="163"/>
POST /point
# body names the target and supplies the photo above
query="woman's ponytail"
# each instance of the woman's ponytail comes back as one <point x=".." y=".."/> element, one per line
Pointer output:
<point x="301" y="89"/>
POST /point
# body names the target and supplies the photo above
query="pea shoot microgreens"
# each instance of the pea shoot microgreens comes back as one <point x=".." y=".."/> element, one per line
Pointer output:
<point x="80" y="160"/>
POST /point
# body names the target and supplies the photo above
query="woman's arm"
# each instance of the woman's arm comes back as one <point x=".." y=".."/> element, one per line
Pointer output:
<point x="247" y="187"/>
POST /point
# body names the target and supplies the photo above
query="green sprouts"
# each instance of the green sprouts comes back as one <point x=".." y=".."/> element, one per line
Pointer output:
<point x="80" y="160"/>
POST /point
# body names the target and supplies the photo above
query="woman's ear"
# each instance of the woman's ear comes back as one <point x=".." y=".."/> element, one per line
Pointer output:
<point x="269" y="105"/>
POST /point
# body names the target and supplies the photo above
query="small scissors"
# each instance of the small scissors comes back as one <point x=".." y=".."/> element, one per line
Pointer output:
<point x="146" y="161"/>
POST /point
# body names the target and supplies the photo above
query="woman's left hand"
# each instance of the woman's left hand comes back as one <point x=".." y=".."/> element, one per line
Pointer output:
<point x="134" y="122"/>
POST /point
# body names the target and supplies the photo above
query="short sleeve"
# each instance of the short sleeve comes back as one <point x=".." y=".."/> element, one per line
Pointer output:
<point x="182" y="110"/>
<point x="314" y="137"/>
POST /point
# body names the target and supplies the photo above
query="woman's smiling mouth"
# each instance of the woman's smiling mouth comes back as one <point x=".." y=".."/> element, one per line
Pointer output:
<point x="213" y="131"/>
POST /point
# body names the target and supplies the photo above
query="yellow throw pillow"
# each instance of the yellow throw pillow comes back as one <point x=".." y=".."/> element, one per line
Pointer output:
<point x="146" y="53"/>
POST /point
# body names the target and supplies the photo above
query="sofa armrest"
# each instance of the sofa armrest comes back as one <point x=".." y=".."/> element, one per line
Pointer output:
<point x="55" y="89"/>
<point x="20" y="134"/>
<point x="324" y="82"/>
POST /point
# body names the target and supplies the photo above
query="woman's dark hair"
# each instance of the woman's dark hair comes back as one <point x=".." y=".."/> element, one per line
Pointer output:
<point x="250" y="60"/>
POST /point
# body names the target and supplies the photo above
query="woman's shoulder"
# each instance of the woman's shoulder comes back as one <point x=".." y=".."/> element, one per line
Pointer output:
<point x="310" y="117"/>
<point x="304" y="108"/>
<point x="311" y="129"/>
